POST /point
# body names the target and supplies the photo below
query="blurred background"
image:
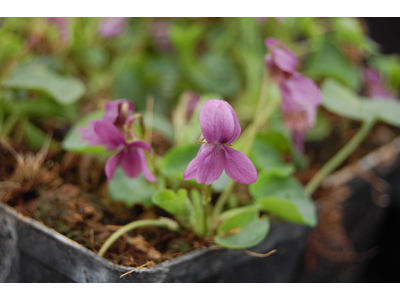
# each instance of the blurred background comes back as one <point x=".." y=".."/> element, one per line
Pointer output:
<point x="54" y="71"/>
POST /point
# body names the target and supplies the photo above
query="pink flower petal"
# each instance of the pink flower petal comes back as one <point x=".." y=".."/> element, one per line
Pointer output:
<point x="281" y="55"/>
<point x="211" y="167"/>
<point x="239" y="167"/>
<point x="285" y="60"/>
<point x="146" y="172"/>
<point x="300" y="90"/>
<point x="109" y="134"/>
<point x="277" y="75"/>
<point x="141" y="144"/>
<point x="88" y="134"/>
<point x="112" y="26"/>
<point x="375" y="86"/>
<point x="111" y="164"/>
<point x="204" y="152"/>
<point x="236" y="129"/>
<point x="130" y="162"/>
<point x="218" y="122"/>
<point x="113" y="108"/>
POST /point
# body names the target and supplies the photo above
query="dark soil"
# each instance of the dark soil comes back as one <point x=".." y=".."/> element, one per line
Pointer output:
<point x="71" y="197"/>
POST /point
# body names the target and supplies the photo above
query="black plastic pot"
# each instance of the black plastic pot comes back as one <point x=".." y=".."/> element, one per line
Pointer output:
<point x="31" y="252"/>
<point x="344" y="254"/>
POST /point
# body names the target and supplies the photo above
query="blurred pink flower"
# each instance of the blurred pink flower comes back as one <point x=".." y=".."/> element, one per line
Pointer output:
<point x="300" y="95"/>
<point x="280" y="61"/>
<point x="375" y="86"/>
<point x="112" y="27"/>
<point x="111" y="133"/>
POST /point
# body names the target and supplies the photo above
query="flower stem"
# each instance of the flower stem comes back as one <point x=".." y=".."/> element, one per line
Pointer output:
<point x="223" y="198"/>
<point x="261" y="115"/>
<point x="339" y="157"/>
<point x="161" y="222"/>
<point x="206" y="202"/>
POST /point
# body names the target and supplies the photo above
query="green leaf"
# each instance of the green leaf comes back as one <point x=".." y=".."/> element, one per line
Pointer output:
<point x="284" y="197"/>
<point x="279" y="138"/>
<point x="242" y="230"/>
<point x="198" y="213"/>
<point x="43" y="107"/>
<point x="330" y="62"/>
<point x="73" y="141"/>
<point x="342" y="101"/>
<point x="348" y="30"/>
<point x="185" y="38"/>
<point x="131" y="190"/>
<point x="32" y="76"/>
<point x="176" y="204"/>
<point x="178" y="158"/>
<point x="128" y="86"/>
<point x="266" y="158"/>
<point x="36" y="137"/>
<point x="220" y="75"/>
<point x="11" y="43"/>
<point x="387" y="111"/>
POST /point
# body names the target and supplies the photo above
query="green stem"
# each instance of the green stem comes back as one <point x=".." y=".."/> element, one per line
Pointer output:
<point x="206" y="202"/>
<point x="223" y="198"/>
<point x="161" y="222"/>
<point x="339" y="157"/>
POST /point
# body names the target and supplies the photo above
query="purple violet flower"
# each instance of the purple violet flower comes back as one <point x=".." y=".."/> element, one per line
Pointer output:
<point x="300" y="99"/>
<point x="114" y="132"/>
<point x="220" y="127"/>
<point x="374" y="85"/>
<point x="300" y="95"/>
<point x="116" y="112"/>
<point x="112" y="27"/>
<point x="280" y="61"/>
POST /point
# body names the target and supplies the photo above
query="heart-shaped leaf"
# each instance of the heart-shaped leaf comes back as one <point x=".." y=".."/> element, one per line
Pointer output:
<point x="266" y="158"/>
<point x="284" y="197"/>
<point x="385" y="110"/>
<point x="342" y="101"/>
<point x="330" y="62"/>
<point x="131" y="190"/>
<point x="32" y="76"/>
<point x="176" y="204"/>
<point x="242" y="230"/>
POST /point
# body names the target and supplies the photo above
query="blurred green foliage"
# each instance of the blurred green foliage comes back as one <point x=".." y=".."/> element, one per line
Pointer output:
<point x="56" y="78"/>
